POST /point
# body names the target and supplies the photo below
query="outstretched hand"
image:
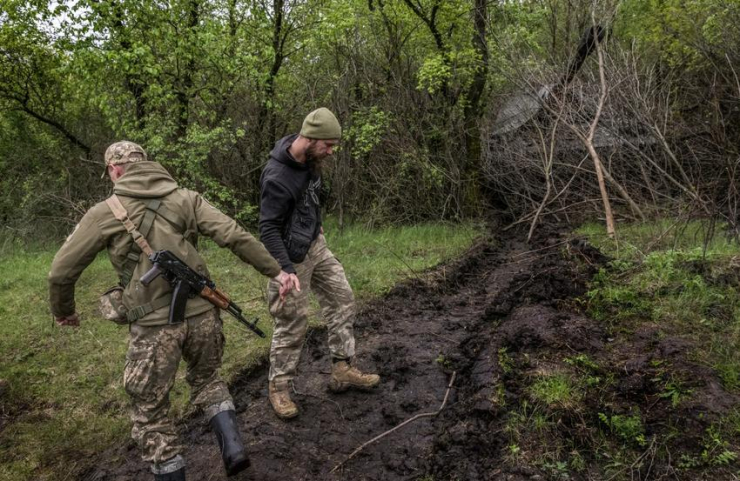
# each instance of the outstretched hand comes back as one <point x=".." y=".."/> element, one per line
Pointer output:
<point x="288" y="282"/>
<point x="73" y="320"/>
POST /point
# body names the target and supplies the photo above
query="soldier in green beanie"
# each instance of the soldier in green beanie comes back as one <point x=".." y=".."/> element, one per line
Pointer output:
<point x="290" y="228"/>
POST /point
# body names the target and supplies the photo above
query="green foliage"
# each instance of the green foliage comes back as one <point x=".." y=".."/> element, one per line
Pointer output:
<point x="673" y="275"/>
<point x="577" y="462"/>
<point x="588" y="367"/>
<point x="434" y="73"/>
<point x="522" y="33"/>
<point x="636" y="240"/>
<point x="628" y="428"/>
<point x="674" y="390"/>
<point x="367" y="130"/>
<point x="662" y="284"/>
<point x="582" y="361"/>
<point x="189" y="159"/>
<point x="678" y="31"/>
<point x="556" y="469"/>
<point x="209" y="87"/>
<point x="527" y="418"/>
<point x="555" y="390"/>
<point x="610" y="300"/>
<point x="443" y="361"/>
<point x="505" y="360"/>
<point x="715" y="451"/>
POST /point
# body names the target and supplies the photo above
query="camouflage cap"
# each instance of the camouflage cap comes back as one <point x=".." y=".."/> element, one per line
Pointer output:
<point x="123" y="152"/>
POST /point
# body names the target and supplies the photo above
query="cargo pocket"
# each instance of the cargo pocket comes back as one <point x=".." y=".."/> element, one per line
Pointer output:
<point x="139" y="374"/>
<point x="299" y="236"/>
<point x="297" y="245"/>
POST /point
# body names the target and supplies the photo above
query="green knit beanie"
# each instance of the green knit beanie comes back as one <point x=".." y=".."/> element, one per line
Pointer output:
<point x="321" y="124"/>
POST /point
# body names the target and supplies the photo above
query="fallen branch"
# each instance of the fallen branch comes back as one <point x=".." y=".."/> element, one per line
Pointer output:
<point x="422" y="415"/>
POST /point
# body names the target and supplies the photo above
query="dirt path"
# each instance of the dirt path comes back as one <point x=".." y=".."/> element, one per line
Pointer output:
<point x="498" y="317"/>
<point x="413" y="338"/>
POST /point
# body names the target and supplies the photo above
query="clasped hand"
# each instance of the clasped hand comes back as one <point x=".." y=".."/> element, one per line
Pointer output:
<point x="288" y="282"/>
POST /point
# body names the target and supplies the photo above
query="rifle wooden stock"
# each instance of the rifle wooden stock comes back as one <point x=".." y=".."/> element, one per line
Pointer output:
<point x="215" y="297"/>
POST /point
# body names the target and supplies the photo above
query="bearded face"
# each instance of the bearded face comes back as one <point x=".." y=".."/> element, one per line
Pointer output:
<point x="314" y="158"/>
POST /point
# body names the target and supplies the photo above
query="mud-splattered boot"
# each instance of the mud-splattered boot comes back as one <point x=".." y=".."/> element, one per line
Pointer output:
<point x="344" y="376"/>
<point x="283" y="406"/>
<point x="227" y="434"/>
<point x="172" y="469"/>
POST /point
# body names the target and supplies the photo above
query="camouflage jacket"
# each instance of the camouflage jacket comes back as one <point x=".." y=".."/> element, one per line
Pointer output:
<point x="99" y="230"/>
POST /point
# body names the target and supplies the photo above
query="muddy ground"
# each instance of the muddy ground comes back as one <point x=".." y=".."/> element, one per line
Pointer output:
<point x="499" y="317"/>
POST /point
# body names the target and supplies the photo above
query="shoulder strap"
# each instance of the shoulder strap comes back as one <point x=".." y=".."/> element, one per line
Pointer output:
<point x="120" y="213"/>
<point x="156" y="206"/>
<point x="140" y="243"/>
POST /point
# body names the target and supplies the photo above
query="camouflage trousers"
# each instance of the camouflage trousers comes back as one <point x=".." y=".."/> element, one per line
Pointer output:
<point x="322" y="274"/>
<point x="154" y="353"/>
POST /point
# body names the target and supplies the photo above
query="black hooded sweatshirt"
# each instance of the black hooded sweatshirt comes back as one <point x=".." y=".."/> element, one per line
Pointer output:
<point x="290" y="214"/>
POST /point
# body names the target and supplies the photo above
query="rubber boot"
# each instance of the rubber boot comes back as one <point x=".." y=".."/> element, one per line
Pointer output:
<point x="232" y="450"/>
<point x="178" y="475"/>
<point x="344" y="376"/>
<point x="172" y="469"/>
<point x="279" y="394"/>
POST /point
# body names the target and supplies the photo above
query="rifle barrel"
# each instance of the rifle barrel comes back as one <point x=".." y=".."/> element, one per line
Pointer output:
<point x="234" y="310"/>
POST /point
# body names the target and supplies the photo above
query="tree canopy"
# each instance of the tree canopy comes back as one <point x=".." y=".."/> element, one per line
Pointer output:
<point x="207" y="87"/>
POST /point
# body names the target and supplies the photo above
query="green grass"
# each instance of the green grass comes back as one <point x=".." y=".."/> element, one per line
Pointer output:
<point x="677" y="276"/>
<point x="635" y="241"/>
<point x="626" y="427"/>
<point x="66" y="403"/>
<point x="555" y="390"/>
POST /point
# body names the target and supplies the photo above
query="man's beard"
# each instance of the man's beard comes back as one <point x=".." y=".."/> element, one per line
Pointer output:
<point x="315" y="164"/>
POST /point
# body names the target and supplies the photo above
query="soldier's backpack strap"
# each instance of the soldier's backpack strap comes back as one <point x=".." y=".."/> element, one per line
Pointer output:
<point x="157" y="207"/>
<point x="119" y="211"/>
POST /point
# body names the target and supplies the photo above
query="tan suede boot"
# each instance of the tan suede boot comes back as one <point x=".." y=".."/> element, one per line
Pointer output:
<point x="283" y="406"/>
<point x="344" y="376"/>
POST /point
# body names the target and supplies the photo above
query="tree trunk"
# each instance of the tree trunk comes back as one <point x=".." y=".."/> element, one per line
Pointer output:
<point x="186" y="80"/>
<point x="471" y="170"/>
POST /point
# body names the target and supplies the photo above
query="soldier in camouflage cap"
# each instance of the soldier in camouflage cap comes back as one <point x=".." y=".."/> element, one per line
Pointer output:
<point x="123" y="152"/>
<point x="169" y="218"/>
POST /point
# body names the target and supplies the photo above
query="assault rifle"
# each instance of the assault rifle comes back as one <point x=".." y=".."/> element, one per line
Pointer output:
<point x="187" y="284"/>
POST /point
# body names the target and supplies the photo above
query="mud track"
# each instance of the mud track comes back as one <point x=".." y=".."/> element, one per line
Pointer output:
<point x="500" y="295"/>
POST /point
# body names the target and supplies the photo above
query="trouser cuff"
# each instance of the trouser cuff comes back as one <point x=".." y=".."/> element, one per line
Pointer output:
<point x="281" y="378"/>
<point x="169" y="466"/>
<point x="214" y="409"/>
